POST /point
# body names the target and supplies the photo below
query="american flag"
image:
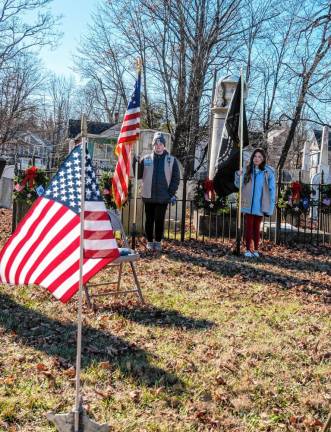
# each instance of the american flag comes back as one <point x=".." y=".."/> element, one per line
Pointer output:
<point x="129" y="134"/>
<point x="45" y="248"/>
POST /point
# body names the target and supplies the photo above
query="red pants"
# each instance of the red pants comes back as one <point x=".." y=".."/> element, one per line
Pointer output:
<point x="252" y="231"/>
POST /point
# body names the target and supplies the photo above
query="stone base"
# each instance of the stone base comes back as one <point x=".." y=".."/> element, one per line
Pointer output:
<point x="215" y="225"/>
<point x="295" y="234"/>
<point x="65" y="423"/>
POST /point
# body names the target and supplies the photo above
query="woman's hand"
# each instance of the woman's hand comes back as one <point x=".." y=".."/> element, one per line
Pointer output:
<point x="240" y="172"/>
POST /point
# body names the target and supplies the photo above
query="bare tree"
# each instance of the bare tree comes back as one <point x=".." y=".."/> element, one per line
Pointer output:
<point x="19" y="83"/>
<point x="180" y="43"/>
<point x="55" y="111"/>
<point x="102" y="62"/>
<point x="311" y="65"/>
<point x="24" y="24"/>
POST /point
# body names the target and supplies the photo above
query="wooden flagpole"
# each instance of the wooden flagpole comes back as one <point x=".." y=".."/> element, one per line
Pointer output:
<point x="241" y="137"/>
<point x="134" y="226"/>
<point x="77" y="420"/>
<point x="80" y="292"/>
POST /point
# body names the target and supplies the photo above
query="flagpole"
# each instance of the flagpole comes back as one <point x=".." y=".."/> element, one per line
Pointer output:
<point x="80" y="292"/>
<point x="134" y="226"/>
<point x="241" y="137"/>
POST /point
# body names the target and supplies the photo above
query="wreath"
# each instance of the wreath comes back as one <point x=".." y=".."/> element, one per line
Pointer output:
<point x="326" y="198"/>
<point x="295" y="198"/>
<point x="106" y="189"/>
<point x="206" y="198"/>
<point x="30" y="184"/>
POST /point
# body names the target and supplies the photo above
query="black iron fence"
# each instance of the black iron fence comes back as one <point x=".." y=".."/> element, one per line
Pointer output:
<point x="304" y="220"/>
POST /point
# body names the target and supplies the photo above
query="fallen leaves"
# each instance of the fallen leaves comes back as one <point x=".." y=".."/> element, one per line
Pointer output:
<point x="222" y="344"/>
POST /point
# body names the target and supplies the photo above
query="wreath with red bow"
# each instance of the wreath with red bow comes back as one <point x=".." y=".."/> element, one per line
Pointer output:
<point x="29" y="184"/>
<point x="295" y="198"/>
<point x="206" y="198"/>
<point x="106" y="190"/>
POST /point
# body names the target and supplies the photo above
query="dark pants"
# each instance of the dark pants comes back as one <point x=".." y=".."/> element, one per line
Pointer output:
<point x="252" y="231"/>
<point x="155" y="214"/>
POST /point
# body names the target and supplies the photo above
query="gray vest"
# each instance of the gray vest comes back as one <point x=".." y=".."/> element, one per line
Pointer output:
<point x="148" y="173"/>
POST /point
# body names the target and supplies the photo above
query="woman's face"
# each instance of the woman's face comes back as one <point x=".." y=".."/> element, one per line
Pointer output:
<point x="258" y="159"/>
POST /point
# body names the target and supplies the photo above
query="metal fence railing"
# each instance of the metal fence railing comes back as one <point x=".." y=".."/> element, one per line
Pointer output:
<point x="305" y="219"/>
<point x="292" y="222"/>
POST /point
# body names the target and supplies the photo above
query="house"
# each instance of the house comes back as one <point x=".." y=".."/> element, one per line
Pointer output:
<point x="102" y="140"/>
<point x="316" y="155"/>
<point x="28" y="148"/>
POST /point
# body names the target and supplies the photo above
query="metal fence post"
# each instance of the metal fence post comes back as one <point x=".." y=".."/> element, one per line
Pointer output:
<point x="182" y="226"/>
<point x="278" y="210"/>
<point x="14" y="213"/>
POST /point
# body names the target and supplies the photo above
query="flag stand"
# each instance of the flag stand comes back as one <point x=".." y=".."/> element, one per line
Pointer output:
<point x="77" y="420"/>
<point x="241" y="137"/>
<point x="134" y="224"/>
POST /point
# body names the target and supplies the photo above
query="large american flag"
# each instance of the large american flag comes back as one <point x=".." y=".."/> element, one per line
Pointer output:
<point x="129" y="135"/>
<point x="45" y="248"/>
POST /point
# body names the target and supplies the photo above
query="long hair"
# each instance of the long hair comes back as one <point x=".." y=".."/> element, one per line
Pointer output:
<point x="250" y="166"/>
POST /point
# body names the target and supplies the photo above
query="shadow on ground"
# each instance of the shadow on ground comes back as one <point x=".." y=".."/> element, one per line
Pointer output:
<point x="226" y="264"/>
<point x="157" y="317"/>
<point x="58" y="339"/>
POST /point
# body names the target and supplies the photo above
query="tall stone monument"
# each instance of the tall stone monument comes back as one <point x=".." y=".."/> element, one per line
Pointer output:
<point x="223" y="95"/>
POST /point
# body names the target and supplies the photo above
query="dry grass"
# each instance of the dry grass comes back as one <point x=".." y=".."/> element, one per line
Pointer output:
<point x="222" y="344"/>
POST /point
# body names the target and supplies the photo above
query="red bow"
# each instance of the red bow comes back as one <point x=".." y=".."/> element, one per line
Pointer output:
<point x="208" y="187"/>
<point x="30" y="176"/>
<point x="296" y="190"/>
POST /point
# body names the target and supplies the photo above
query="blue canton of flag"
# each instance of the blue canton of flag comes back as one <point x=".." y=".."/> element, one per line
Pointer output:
<point x="65" y="186"/>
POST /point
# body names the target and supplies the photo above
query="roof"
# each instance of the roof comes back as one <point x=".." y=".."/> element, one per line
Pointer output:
<point x="95" y="128"/>
<point x="318" y="134"/>
<point x="33" y="139"/>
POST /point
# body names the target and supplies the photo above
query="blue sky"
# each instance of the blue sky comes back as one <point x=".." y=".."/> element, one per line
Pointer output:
<point x="76" y="17"/>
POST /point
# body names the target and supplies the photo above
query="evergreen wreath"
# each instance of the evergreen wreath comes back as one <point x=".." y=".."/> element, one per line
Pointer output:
<point x="27" y="184"/>
<point x="106" y="190"/>
<point x="295" y="198"/>
<point x="216" y="204"/>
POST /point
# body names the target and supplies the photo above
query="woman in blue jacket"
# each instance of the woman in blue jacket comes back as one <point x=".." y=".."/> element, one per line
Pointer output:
<point x="257" y="198"/>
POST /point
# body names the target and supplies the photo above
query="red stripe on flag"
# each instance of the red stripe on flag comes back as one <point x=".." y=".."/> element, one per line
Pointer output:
<point x="74" y="245"/>
<point x="128" y="140"/>
<point x="98" y="235"/>
<point x="128" y="128"/>
<point x="64" y="276"/>
<point x="96" y="215"/>
<point x="52" y="244"/>
<point x="92" y="253"/>
<point x="61" y="211"/>
<point x="131" y="116"/>
<point x="26" y="237"/>
<point x="19" y="228"/>
<point x="74" y="288"/>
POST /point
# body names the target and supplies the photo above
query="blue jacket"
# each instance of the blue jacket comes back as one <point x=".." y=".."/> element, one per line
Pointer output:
<point x="259" y="194"/>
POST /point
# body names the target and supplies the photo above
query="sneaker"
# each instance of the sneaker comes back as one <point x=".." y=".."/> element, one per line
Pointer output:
<point x="248" y="254"/>
<point x="157" y="246"/>
<point x="150" y="246"/>
<point x="256" y="254"/>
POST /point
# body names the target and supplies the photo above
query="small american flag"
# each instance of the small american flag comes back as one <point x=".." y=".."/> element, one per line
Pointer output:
<point x="128" y="136"/>
<point x="45" y="248"/>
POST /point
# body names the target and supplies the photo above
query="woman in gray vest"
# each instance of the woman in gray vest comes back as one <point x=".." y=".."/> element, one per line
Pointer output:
<point x="160" y="176"/>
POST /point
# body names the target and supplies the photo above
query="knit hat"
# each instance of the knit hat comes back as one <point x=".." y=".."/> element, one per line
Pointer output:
<point x="158" y="136"/>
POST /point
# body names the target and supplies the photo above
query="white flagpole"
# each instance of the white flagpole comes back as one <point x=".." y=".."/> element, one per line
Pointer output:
<point x="134" y="227"/>
<point x="80" y="292"/>
<point x="241" y="137"/>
